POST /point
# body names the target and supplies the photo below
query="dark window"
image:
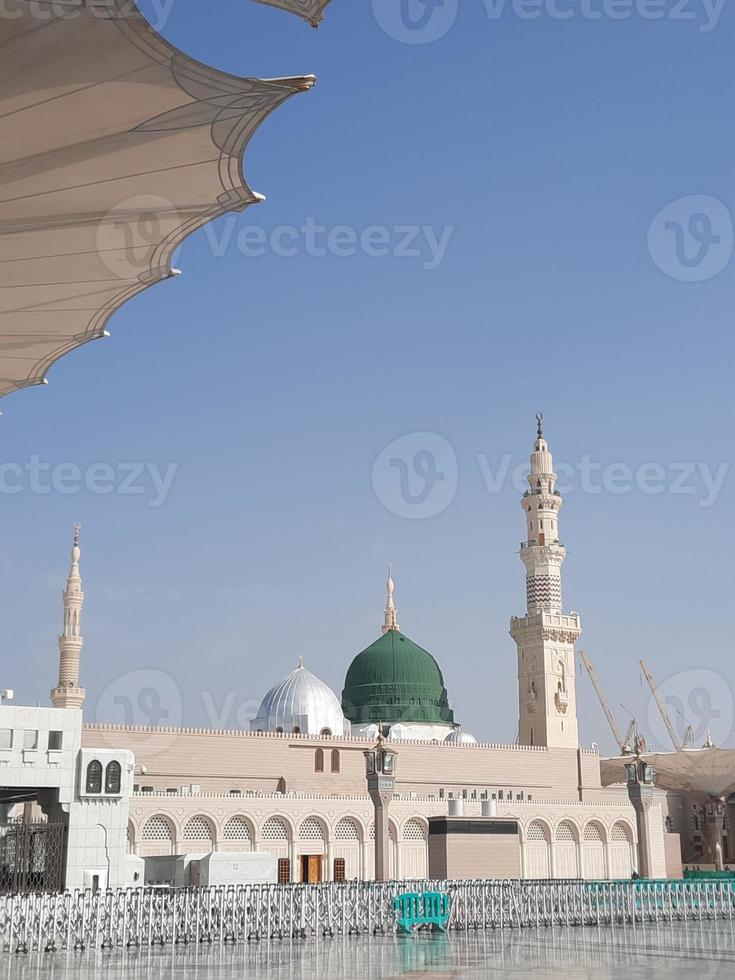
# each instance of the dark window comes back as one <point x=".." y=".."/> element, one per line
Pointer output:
<point x="113" y="776"/>
<point x="296" y="730"/>
<point x="319" y="760"/>
<point x="340" y="870"/>
<point x="284" y="871"/>
<point x="55" y="741"/>
<point x="335" y="760"/>
<point x="94" y="777"/>
<point x="281" y="786"/>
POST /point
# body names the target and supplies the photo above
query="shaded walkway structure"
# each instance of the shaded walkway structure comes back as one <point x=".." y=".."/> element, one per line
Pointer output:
<point x="114" y="147"/>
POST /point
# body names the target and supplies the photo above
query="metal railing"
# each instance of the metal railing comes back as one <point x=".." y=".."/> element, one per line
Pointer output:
<point x="150" y="916"/>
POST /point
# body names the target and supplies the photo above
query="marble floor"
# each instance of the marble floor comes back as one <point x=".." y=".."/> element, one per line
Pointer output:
<point x="683" y="951"/>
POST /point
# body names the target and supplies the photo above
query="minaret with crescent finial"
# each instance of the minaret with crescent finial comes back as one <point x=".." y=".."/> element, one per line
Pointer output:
<point x="545" y="636"/>
<point x="390" y="609"/>
<point x="68" y="693"/>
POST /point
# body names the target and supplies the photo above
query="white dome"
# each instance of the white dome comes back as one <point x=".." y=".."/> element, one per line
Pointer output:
<point x="301" y="703"/>
<point x="458" y="737"/>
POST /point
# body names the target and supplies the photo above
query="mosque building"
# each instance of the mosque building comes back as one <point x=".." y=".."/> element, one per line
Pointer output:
<point x="294" y="786"/>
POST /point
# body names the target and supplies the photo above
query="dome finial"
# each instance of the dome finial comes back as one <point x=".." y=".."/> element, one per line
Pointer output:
<point x="390" y="609"/>
<point x="301" y="663"/>
<point x="539" y="424"/>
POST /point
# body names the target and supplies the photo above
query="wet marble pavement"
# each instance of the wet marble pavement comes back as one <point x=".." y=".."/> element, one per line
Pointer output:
<point x="680" y="951"/>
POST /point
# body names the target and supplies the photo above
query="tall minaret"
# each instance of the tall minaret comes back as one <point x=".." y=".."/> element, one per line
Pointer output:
<point x="390" y="609"/>
<point x="69" y="694"/>
<point x="545" y="636"/>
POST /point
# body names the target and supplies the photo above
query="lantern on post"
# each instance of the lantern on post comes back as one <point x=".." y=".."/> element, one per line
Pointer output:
<point x="380" y="770"/>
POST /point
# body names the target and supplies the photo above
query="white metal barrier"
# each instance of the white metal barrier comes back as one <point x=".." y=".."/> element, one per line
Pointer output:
<point x="153" y="916"/>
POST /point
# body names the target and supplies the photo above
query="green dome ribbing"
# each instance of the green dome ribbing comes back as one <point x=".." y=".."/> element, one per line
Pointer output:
<point x="395" y="680"/>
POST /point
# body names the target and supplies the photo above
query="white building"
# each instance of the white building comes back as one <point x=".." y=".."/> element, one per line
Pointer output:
<point x="63" y="809"/>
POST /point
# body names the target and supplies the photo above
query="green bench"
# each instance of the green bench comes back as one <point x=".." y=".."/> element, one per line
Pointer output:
<point x="415" y="909"/>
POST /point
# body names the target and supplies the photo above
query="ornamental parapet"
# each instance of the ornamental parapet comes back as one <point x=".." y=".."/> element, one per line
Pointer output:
<point x="301" y="737"/>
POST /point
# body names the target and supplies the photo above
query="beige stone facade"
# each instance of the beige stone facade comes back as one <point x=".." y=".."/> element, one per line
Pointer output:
<point x="304" y="800"/>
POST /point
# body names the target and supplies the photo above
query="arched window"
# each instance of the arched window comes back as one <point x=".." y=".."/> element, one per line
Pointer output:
<point x="335" y="760"/>
<point x="157" y="828"/>
<point x="414" y="830"/>
<point x="346" y="829"/>
<point x="319" y="760"/>
<point x="296" y="730"/>
<point x="94" y="777"/>
<point x="311" y="829"/>
<point x="236" y="828"/>
<point x="113" y="776"/>
<point x="281" y="785"/>
<point x="274" y="829"/>
<point x="326" y="732"/>
<point x="199" y="829"/>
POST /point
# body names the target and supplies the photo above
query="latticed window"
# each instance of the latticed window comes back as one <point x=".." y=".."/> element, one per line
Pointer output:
<point x="340" y="869"/>
<point x="536" y="831"/>
<point x="592" y="832"/>
<point x="565" y="831"/>
<point x="414" y="831"/>
<point x="311" y="829"/>
<point x="198" y="828"/>
<point x="274" y="829"/>
<point x="236" y="828"/>
<point x="619" y="833"/>
<point x="113" y="776"/>
<point x="157" y="828"/>
<point x="94" y="777"/>
<point x="284" y="871"/>
<point x="346" y="830"/>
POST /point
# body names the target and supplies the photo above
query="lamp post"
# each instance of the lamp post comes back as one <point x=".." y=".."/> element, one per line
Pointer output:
<point x="640" y="793"/>
<point x="380" y="769"/>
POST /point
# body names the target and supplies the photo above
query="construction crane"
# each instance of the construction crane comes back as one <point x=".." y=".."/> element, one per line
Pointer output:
<point x="675" y="740"/>
<point x="624" y="744"/>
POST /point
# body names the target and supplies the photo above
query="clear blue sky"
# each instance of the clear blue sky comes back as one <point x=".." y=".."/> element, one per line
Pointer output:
<point x="274" y="382"/>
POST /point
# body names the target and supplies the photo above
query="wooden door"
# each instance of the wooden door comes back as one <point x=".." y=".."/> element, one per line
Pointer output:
<point x="314" y="871"/>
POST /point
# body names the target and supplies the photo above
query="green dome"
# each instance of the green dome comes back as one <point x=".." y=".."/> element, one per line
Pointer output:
<point x="395" y="680"/>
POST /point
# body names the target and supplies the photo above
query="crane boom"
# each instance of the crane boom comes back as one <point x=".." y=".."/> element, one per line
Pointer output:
<point x="597" y="684"/>
<point x="675" y="740"/>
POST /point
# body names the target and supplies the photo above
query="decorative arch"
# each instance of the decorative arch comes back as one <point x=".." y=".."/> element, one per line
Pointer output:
<point x="622" y="854"/>
<point x="313" y="828"/>
<point x="594" y="849"/>
<point x="276" y="828"/>
<point x="414" y="849"/>
<point x="566" y="850"/>
<point x="238" y="829"/>
<point x="158" y="835"/>
<point x="566" y="830"/>
<point x="621" y="832"/>
<point x="415" y="829"/>
<point x="348" y="829"/>
<point x="199" y="833"/>
<point x="537" y="849"/>
<point x="538" y="830"/>
<point x="594" y="830"/>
